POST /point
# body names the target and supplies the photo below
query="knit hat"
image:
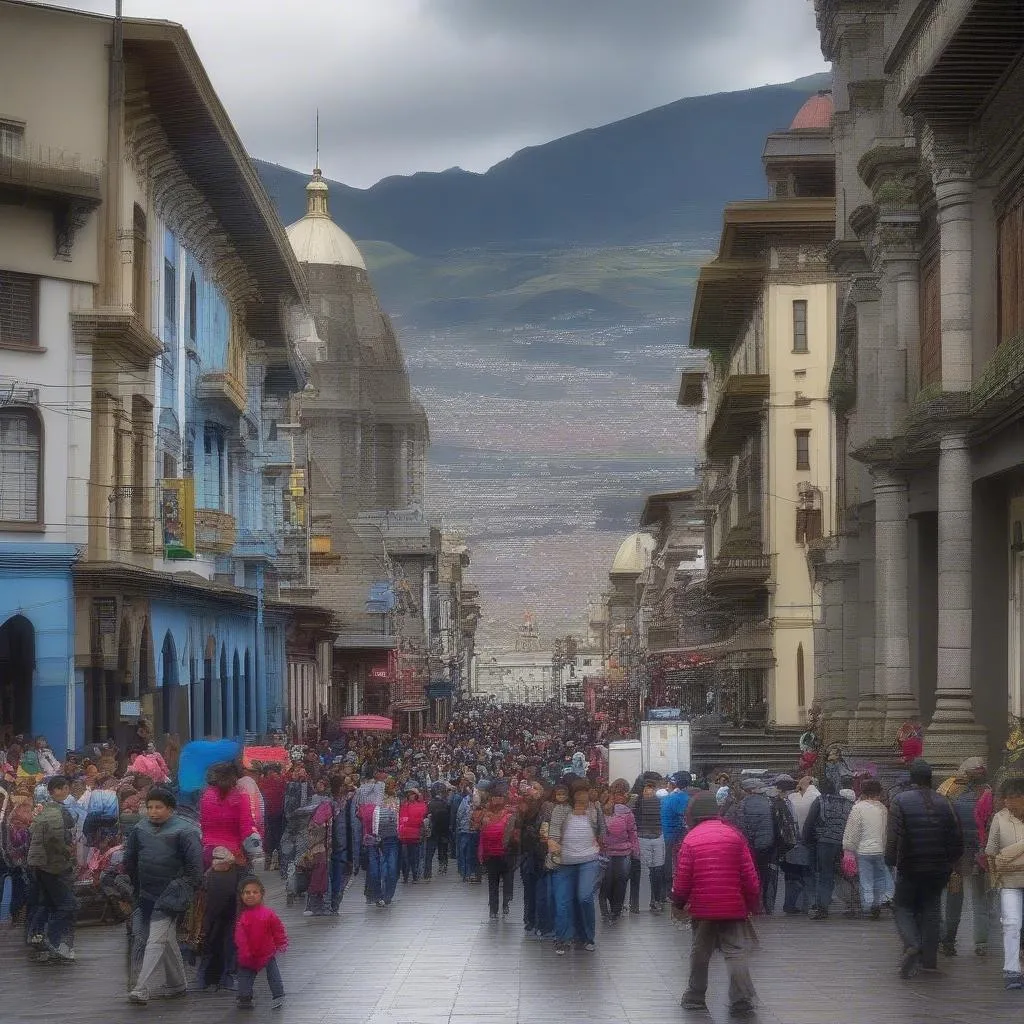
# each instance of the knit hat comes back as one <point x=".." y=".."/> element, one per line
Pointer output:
<point x="682" y="780"/>
<point x="222" y="855"/>
<point x="972" y="766"/>
<point x="703" y="808"/>
<point x="848" y="794"/>
<point x="751" y="785"/>
<point x="785" y="783"/>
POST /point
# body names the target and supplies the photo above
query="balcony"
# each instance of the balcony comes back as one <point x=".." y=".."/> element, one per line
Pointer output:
<point x="222" y="386"/>
<point x="276" y="456"/>
<point x="740" y="406"/>
<point x="215" y="531"/>
<point x="256" y="546"/>
<point x="739" y="574"/>
<point x="69" y="190"/>
<point x="402" y="531"/>
<point x="120" y="328"/>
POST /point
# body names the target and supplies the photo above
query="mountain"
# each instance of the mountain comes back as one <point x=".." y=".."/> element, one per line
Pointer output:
<point x="657" y="176"/>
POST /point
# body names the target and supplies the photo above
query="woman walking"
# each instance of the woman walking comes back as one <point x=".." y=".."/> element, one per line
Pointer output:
<point x="621" y="845"/>
<point x="497" y="824"/>
<point x="384" y="852"/>
<point x="575" y="836"/>
<point x="226" y="818"/>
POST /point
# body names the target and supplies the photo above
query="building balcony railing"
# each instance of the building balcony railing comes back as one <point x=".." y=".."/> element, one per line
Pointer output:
<point x="739" y="573"/>
<point x="276" y="455"/>
<point x="122" y="329"/>
<point x="258" y="545"/>
<point x="222" y="386"/>
<point x="215" y="531"/>
<point x="741" y="402"/>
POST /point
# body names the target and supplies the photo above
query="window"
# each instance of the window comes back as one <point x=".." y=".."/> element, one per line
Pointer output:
<point x="192" y="307"/>
<point x="800" y="325"/>
<point x="20" y="470"/>
<point x="1010" y="232"/>
<point x="12" y="140"/>
<point x="214" y="484"/>
<point x="19" y="309"/>
<point x="803" y="449"/>
<point x="140" y="277"/>
<point x="170" y="295"/>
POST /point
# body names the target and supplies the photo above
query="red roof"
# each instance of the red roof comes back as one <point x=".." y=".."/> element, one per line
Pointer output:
<point x="815" y="113"/>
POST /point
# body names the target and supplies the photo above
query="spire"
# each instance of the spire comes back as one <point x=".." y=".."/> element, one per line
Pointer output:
<point x="317" y="190"/>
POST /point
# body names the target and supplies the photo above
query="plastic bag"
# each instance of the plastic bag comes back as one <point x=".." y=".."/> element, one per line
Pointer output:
<point x="849" y="865"/>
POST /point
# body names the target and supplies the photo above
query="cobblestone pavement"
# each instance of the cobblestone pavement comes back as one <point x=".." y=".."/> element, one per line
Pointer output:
<point x="434" y="958"/>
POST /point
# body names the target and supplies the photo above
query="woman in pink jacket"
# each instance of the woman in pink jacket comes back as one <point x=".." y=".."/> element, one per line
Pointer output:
<point x="226" y="816"/>
<point x="716" y="880"/>
<point x="621" y="845"/>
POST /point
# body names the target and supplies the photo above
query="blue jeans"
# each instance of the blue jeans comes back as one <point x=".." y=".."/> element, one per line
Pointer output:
<point x="339" y="877"/>
<point x="875" y="881"/>
<point x="467" y="844"/>
<point x="826" y="856"/>
<point x="247" y="977"/>
<point x="384" y="869"/>
<point x="412" y="861"/>
<point x="574" y="901"/>
<point x="545" y="902"/>
<point x="530" y="868"/>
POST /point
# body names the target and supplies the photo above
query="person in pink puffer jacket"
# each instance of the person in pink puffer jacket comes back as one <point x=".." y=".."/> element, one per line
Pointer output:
<point x="621" y="845"/>
<point x="717" y="881"/>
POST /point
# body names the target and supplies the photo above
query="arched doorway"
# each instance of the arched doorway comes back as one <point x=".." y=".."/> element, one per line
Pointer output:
<point x="168" y="685"/>
<point x="205" y="727"/>
<point x="225" y="696"/>
<point x="17" y="665"/>
<point x="236" y="695"/>
<point x="250" y="697"/>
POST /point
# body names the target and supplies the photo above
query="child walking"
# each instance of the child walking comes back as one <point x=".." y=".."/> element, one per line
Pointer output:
<point x="259" y="937"/>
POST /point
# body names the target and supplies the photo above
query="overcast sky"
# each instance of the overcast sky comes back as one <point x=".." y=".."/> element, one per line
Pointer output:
<point x="413" y="85"/>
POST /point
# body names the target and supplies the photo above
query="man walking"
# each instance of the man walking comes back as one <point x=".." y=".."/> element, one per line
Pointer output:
<point x="163" y="856"/>
<point x="51" y="859"/>
<point x="924" y="842"/>
<point x="716" y="878"/>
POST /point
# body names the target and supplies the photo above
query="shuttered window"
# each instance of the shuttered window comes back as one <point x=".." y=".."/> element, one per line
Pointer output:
<point x="800" y="325"/>
<point x="1011" y="272"/>
<point x="19" y="309"/>
<point x="20" y="470"/>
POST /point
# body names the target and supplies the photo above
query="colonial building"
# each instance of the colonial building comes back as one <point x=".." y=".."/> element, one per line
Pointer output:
<point x="374" y="553"/>
<point x="764" y="311"/>
<point x="922" y="575"/>
<point x="149" y="303"/>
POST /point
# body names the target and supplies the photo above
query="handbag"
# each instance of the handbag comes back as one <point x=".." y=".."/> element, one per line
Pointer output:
<point x="848" y="865"/>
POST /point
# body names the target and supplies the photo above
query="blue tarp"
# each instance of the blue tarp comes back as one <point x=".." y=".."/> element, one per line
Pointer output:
<point x="196" y="758"/>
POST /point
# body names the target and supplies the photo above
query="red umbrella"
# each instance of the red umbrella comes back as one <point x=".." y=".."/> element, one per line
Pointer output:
<point x="368" y="723"/>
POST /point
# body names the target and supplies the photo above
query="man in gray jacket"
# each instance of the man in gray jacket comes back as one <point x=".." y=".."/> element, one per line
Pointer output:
<point x="164" y="860"/>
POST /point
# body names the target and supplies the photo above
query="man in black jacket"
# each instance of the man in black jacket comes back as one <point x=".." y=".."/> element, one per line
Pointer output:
<point x="923" y="843"/>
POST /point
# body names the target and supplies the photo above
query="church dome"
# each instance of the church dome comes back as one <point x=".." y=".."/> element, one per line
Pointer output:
<point x="815" y="113"/>
<point x="634" y="555"/>
<point x="315" y="238"/>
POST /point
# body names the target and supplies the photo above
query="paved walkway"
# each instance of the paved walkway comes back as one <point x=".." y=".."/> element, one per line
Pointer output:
<point x="434" y="958"/>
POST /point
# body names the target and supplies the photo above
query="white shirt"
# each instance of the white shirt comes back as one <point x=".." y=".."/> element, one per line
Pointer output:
<point x="801" y="804"/>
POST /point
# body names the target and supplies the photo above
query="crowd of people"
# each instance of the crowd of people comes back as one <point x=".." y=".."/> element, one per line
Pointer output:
<point x="516" y="796"/>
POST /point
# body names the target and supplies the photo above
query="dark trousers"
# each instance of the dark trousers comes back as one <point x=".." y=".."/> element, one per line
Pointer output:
<point x="796" y="885"/>
<point x="615" y="883"/>
<point x="545" y="901"/>
<point x="635" y="871"/>
<point x="917" y="909"/>
<point x="57" y="900"/>
<point x="340" y="869"/>
<point x="764" y="861"/>
<point x="826" y="857"/>
<point x="729" y="937"/>
<point x="412" y="861"/>
<point x="275" y="827"/>
<point x="500" y="872"/>
<point x="530" y="868"/>
<point x="438" y="845"/>
<point x="247" y="977"/>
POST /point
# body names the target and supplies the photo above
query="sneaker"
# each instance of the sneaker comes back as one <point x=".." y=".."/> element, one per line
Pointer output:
<point x="589" y="947"/>
<point x="65" y="953"/>
<point x="910" y="963"/>
<point x="138" y="998"/>
<point x="948" y="948"/>
<point x="37" y="941"/>
<point x="277" y="1002"/>
<point x="693" y="1003"/>
<point x="307" y="913"/>
<point x="175" y="993"/>
<point x="875" y="913"/>
<point x="382" y="903"/>
<point x="560" y="948"/>
<point x="506" y="909"/>
<point x="817" y="914"/>
<point x="742" y="1009"/>
<point x="1013" y="981"/>
<point x="245" y="1002"/>
<point x="981" y="949"/>
<point x="494" y="915"/>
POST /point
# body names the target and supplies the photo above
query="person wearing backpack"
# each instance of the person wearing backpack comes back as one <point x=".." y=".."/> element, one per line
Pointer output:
<point x="756" y="819"/>
<point x="497" y="825"/>
<point x="823" y="834"/>
<point x="794" y="857"/>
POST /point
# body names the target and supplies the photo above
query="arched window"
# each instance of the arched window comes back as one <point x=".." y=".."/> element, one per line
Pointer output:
<point x="168" y="683"/>
<point x="140" y="273"/>
<point x="801" y="685"/>
<point x="225" y="696"/>
<point x="193" y="308"/>
<point x="21" y="466"/>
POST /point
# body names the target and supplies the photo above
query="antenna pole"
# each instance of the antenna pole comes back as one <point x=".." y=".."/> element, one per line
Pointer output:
<point x="318" y="138"/>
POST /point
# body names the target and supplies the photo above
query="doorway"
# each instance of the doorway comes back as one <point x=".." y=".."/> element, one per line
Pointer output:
<point x="17" y="666"/>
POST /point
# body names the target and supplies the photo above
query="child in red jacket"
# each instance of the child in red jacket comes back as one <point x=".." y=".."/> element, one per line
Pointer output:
<point x="259" y="937"/>
<point x="716" y="877"/>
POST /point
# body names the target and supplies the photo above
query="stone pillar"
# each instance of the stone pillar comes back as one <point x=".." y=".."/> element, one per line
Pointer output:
<point x="869" y="721"/>
<point x="832" y="696"/>
<point x="953" y="733"/>
<point x="892" y="635"/>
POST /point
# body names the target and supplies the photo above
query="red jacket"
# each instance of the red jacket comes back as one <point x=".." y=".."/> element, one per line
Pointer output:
<point x="259" y="936"/>
<point x="715" y="874"/>
<point x="272" y="787"/>
<point x="410" y="821"/>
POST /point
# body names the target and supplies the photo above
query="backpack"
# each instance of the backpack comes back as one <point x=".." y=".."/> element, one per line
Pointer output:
<point x="492" y="837"/>
<point x="785" y="825"/>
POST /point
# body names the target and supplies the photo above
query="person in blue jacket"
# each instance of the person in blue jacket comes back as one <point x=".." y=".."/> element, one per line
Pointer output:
<point x="673" y="818"/>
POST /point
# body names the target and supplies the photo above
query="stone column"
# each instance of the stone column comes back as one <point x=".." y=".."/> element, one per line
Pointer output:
<point x="869" y="722"/>
<point x="892" y="636"/>
<point x="953" y="733"/>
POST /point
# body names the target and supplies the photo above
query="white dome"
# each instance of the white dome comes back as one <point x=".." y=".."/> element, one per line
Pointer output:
<point x="634" y="555"/>
<point x="315" y="238"/>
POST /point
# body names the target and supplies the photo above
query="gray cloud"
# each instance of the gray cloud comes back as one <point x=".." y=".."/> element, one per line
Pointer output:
<point x="406" y="85"/>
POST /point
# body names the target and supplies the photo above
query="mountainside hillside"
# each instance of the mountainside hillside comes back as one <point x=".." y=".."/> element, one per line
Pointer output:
<point x="658" y="176"/>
